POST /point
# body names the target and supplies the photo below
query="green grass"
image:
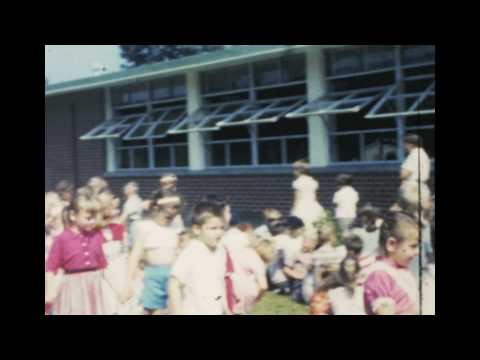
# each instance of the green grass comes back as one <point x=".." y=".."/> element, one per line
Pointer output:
<point x="274" y="304"/>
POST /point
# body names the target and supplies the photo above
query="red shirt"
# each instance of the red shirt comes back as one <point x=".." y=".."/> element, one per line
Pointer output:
<point x="117" y="231"/>
<point x="76" y="252"/>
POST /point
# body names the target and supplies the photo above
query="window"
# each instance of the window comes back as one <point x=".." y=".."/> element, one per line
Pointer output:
<point x="293" y="68"/>
<point x="396" y="103"/>
<point x="113" y="128"/>
<point x="270" y="152"/>
<point x="339" y="102"/>
<point x="229" y="79"/>
<point x="418" y="54"/>
<point x="240" y="153"/>
<point x="267" y="73"/>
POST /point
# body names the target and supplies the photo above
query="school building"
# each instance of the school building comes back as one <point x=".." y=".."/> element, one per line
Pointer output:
<point x="231" y="122"/>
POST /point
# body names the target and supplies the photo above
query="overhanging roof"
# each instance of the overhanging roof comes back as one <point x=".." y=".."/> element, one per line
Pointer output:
<point x="195" y="62"/>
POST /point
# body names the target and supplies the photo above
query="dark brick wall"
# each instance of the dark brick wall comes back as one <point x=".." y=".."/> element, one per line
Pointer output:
<point x="67" y="118"/>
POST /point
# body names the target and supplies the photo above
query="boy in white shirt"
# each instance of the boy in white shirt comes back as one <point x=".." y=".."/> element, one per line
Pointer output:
<point x="345" y="201"/>
<point x="197" y="284"/>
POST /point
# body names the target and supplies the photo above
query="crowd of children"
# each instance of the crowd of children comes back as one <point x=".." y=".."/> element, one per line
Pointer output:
<point x="143" y="259"/>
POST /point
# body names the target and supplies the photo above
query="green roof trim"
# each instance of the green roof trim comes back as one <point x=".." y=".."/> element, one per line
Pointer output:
<point x="166" y="68"/>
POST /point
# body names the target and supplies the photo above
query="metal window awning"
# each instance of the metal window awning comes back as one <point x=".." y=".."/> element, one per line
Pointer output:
<point x="241" y="113"/>
<point x="206" y="118"/>
<point x="349" y="101"/>
<point x="156" y="124"/>
<point x="113" y="128"/>
<point x="267" y="111"/>
<point x="419" y="103"/>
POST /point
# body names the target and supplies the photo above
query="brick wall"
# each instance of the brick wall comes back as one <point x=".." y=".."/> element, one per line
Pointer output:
<point x="67" y="118"/>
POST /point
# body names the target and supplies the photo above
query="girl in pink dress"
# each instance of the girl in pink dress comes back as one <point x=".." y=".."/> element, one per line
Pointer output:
<point x="78" y="252"/>
<point x="390" y="287"/>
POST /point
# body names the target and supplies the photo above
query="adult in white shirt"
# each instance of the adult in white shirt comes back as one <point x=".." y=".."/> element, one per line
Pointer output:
<point x="305" y="204"/>
<point x="415" y="172"/>
<point x="345" y="201"/>
<point x="156" y="245"/>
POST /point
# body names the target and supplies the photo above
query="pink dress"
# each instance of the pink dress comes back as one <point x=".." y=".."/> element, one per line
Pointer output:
<point x="248" y="268"/>
<point x="389" y="284"/>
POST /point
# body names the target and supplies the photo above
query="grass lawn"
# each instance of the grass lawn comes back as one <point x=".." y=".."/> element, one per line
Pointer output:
<point x="274" y="304"/>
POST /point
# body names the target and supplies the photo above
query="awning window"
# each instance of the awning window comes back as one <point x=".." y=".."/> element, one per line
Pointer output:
<point x="350" y="101"/>
<point x="419" y="103"/>
<point x="113" y="128"/>
<point x="157" y="124"/>
<point x="213" y="117"/>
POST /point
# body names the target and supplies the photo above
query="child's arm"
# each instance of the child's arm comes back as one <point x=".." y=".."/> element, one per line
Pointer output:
<point x="174" y="295"/>
<point x="293" y="273"/>
<point x="133" y="265"/>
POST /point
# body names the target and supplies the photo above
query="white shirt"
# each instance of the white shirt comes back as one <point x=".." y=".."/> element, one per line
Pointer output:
<point x="291" y="248"/>
<point x="234" y="239"/>
<point x="158" y="237"/>
<point x="328" y="254"/>
<point x="177" y="224"/>
<point x="411" y="164"/>
<point x="346" y="200"/>
<point x="344" y="304"/>
<point x="201" y="271"/>
<point x="133" y="207"/>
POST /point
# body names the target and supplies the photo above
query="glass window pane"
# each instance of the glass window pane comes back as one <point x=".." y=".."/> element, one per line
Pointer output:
<point x="140" y="158"/>
<point x="356" y="121"/>
<point x="179" y="87"/>
<point x="171" y="139"/>
<point x="240" y="153"/>
<point x="346" y="62"/>
<point x="283" y="127"/>
<point x="293" y="68"/>
<point x="270" y="152"/>
<point x="123" y="161"/>
<point x="380" y="147"/>
<point x="125" y="143"/>
<point x="230" y="133"/>
<point x="139" y="131"/>
<point x="239" y="77"/>
<point x="138" y="93"/>
<point x="161" y="89"/>
<point x="161" y="129"/>
<point x="162" y="156"/>
<point x="181" y="155"/>
<point x="420" y="120"/>
<point x="346" y="148"/>
<point x="418" y="54"/>
<point x="217" y="154"/>
<point x="379" y="57"/>
<point x="297" y="149"/>
<point x="267" y="73"/>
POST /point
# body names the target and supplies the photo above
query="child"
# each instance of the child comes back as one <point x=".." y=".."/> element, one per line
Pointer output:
<point x="53" y="219"/>
<point x="347" y="299"/>
<point x="156" y="244"/>
<point x="288" y="245"/>
<point x="367" y="227"/>
<point x="345" y="201"/>
<point x="264" y="232"/>
<point x="390" y="287"/>
<point x="305" y="204"/>
<point x="168" y="182"/>
<point x="114" y="248"/>
<point x="78" y="252"/>
<point x="132" y="208"/>
<point x="97" y="185"/>
<point x="302" y="266"/>
<point x="249" y="276"/>
<point x="197" y="277"/>
<point x="64" y="189"/>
